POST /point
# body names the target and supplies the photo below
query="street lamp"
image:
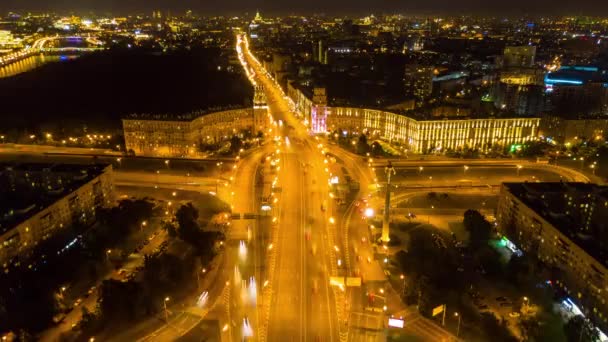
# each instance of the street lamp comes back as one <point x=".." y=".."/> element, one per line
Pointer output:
<point x="420" y="168"/>
<point x="389" y="170"/>
<point x="519" y="167"/>
<point x="108" y="252"/>
<point x="592" y="166"/>
<point x="464" y="170"/>
<point x="167" y="163"/>
<point x="458" y="328"/>
<point x="402" y="277"/>
<point x="165" y="307"/>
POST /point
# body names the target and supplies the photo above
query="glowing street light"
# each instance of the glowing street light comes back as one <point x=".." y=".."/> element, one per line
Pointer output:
<point x="458" y="328"/>
<point x="464" y="169"/>
<point x="165" y="307"/>
<point x="519" y="167"/>
<point x="369" y="212"/>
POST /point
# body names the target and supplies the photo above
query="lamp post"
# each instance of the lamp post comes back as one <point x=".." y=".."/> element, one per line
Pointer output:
<point x="458" y="327"/>
<point x="165" y="307"/>
<point x="519" y="167"/>
<point x="592" y="166"/>
<point x="464" y="169"/>
<point x="402" y="277"/>
<point x="389" y="170"/>
<point x="167" y="163"/>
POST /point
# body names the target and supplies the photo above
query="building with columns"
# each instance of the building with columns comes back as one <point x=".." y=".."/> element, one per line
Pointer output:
<point x="419" y="135"/>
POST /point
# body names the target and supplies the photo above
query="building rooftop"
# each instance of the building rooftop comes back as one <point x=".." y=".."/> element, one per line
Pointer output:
<point x="181" y="117"/>
<point x="28" y="188"/>
<point x="576" y="75"/>
<point x="551" y="200"/>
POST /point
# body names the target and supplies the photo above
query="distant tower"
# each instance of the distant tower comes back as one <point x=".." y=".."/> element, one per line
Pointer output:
<point x="261" y="117"/>
<point x="318" y="114"/>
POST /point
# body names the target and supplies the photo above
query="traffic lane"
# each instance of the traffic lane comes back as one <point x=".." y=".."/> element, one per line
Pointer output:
<point x="286" y="318"/>
<point x="194" y="166"/>
<point x="323" y="318"/>
<point x="449" y="175"/>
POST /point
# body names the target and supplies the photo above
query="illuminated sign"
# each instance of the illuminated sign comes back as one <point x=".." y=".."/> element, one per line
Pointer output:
<point x="396" y="323"/>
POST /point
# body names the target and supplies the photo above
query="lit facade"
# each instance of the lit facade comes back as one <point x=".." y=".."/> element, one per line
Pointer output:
<point x="79" y="189"/>
<point x="180" y="136"/>
<point x="519" y="56"/>
<point x="425" y="136"/>
<point x="564" y="226"/>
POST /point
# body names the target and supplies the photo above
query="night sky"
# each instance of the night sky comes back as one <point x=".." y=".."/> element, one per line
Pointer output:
<point x="211" y="7"/>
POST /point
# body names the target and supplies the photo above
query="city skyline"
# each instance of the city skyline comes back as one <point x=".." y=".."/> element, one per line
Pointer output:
<point x="186" y="175"/>
<point x="343" y="7"/>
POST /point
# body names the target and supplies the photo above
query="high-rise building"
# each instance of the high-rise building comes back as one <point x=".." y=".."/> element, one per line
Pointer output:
<point x="519" y="56"/>
<point x="565" y="226"/>
<point x="577" y="91"/>
<point x="40" y="200"/>
<point x="418" y="82"/>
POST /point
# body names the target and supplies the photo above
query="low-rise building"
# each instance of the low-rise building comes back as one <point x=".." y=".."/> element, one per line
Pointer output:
<point x="564" y="130"/>
<point x="564" y="225"/>
<point x="38" y="200"/>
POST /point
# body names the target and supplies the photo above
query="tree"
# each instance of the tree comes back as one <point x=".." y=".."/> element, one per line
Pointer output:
<point x="235" y="144"/>
<point x="170" y="228"/>
<point x="494" y="329"/>
<point x="377" y="149"/>
<point x="546" y="326"/>
<point x="362" y="146"/>
<point x="187" y="217"/>
<point x="580" y="329"/>
<point x="519" y="270"/>
<point x="479" y="229"/>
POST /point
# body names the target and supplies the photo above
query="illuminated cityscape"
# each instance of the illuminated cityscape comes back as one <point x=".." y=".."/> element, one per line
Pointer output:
<point x="314" y="171"/>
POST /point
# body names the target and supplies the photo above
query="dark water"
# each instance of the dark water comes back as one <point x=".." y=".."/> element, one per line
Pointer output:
<point x="97" y="89"/>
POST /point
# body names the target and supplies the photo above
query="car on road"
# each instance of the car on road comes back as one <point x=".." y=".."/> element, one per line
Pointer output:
<point x="514" y="314"/>
<point x="92" y="290"/>
<point x="77" y="302"/>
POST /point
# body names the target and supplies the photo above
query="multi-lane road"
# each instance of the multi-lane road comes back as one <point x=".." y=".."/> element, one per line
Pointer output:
<point x="302" y="301"/>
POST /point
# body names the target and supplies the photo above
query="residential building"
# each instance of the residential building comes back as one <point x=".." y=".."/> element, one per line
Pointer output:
<point x="181" y="135"/>
<point x="519" y="56"/>
<point x="418" y="134"/>
<point x="418" y="82"/>
<point x="565" y="226"/>
<point x="38" y="200"/>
